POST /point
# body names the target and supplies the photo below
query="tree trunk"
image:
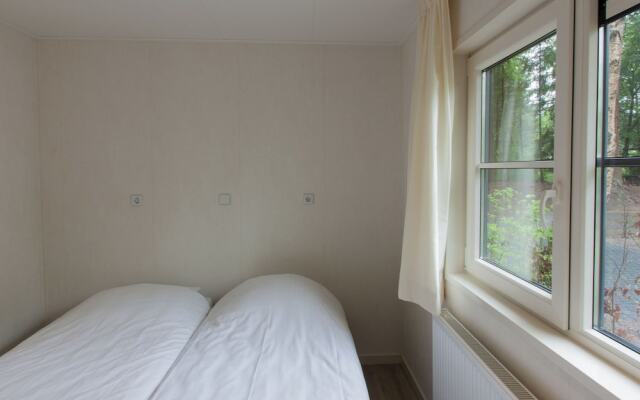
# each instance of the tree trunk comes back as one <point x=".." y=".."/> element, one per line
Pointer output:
<point x="616" y="34"/>
<point x="630" y="117"/>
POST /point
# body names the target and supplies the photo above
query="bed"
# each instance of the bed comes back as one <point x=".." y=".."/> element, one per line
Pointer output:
<point x="118" y="344"/>
<point x="278" y="337"/>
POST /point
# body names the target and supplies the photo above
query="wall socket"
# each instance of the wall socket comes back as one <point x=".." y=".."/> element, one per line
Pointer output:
<point x="136" y="200"/>
<point x="309" y="199"/>
<point x="224" y="199"/>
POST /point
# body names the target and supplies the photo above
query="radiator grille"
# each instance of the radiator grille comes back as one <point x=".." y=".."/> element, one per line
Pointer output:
<point x="511" y="385"/>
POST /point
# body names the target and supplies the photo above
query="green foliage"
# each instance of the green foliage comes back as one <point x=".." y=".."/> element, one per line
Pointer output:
<point x="629" y="97"/>
<point x="521" y="105"/>
<point x="519" y="126"/>
<point x="516" y="238"/>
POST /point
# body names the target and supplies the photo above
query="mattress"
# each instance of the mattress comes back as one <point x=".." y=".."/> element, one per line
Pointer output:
<point x="278" y="337"/>
<point x="118" y="344"/>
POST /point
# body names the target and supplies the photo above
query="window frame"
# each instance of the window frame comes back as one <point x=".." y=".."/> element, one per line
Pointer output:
<point x="556" y="16"/>
<point x="616" y="7"/>
<point x="584" y="207"/>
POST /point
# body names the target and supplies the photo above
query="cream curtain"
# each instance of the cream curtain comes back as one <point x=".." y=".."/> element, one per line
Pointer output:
<point x="429" y="172"/>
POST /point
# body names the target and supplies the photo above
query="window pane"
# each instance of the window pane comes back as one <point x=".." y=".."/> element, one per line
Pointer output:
<point x="619" y="305"/>
<point x="623" y="87"/>
<point x="519" y="111"/>
<point x="517" y="222"/>
<point x="617" y="299"/>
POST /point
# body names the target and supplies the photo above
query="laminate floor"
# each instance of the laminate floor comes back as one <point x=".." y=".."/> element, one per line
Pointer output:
<point x="389" y="382"/>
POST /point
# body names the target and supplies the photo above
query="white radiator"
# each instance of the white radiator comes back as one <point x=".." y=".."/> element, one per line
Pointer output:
<point x="463" y="369"/>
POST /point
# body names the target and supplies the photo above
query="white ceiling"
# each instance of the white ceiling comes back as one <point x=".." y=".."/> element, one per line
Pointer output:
<point x="354" y="21"/>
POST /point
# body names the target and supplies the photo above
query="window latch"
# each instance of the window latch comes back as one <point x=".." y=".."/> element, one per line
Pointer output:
<point x="546" y="213"/>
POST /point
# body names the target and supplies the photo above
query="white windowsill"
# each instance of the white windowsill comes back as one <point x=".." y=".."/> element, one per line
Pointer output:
<point x="596" y="374"/>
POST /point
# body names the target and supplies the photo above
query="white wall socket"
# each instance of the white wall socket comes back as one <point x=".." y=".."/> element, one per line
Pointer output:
<point x="309" y="199"/>
<point x="136" y="200"/>
<point x="224" y="199"/>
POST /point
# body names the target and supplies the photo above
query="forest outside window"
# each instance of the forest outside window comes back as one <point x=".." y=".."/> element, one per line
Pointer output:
<point x="517" y="169"/>
<point x="617" y="273"/>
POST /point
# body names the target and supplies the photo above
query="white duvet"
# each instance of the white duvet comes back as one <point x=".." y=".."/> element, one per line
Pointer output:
<point x="280" y="337"/>
<point x="118" y="344"/>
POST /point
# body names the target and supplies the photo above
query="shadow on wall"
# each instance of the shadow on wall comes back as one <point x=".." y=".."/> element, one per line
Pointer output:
<point x="417" y="346"/>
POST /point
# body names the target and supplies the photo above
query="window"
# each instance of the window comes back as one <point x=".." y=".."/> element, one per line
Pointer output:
<point x="604" y="182"/>
<point x="518" y="128"/>
<point x="519" y="169"/>
<point x="617" y="272"/>
<point x="554" y="171"/>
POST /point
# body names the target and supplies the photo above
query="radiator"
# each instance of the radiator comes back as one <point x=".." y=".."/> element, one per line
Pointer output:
<point x="463" y="369"/>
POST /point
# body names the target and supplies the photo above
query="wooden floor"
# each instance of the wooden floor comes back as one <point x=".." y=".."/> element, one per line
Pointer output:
<point x="389" y="382"/>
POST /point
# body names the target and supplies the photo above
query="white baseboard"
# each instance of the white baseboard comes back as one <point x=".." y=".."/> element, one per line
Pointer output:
<point x="414" y="381"/>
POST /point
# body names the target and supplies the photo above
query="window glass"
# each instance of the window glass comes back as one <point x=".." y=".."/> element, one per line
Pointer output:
<point x="520" y="105"/>
<point x="623" y="87"/>
<point x="618" y="277"/>
<point x="517" y="218"/>
<point x="518" y="127"/>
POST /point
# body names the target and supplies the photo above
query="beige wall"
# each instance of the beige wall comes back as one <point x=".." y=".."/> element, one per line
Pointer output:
<point x="466" y="14"/>
<point x="180" y="123"/>
<point x="21" y="282"/>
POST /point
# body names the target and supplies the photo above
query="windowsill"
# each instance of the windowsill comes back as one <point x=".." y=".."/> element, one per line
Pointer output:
<point x="596" y="374"/>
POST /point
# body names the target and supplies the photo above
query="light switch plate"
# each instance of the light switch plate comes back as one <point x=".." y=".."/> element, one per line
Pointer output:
<point x="224" y="199"/>
<point x="309" y="199"/>
<point x="136" y="200"/>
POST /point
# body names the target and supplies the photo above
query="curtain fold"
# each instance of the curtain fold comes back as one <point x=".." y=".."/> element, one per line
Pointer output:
<point x="429" y="170"/>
